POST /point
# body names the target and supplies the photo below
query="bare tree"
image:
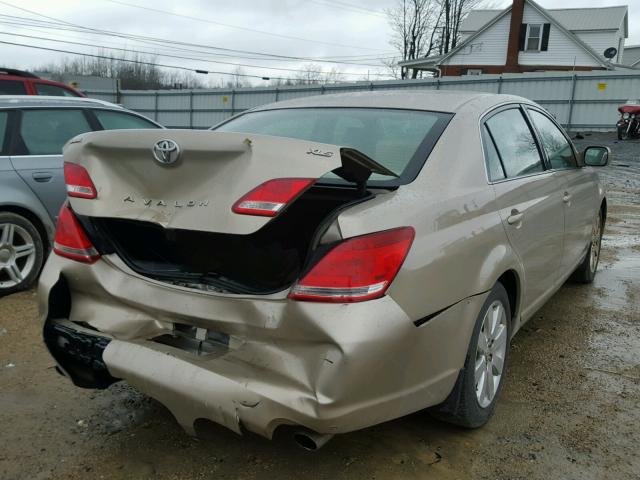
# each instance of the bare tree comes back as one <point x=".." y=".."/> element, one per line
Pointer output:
<point x="135" y="71"/>
<point x="424" y="27"/>
<point x="452" y="13"/>
<point x="238" y="79"/>
<point x="309" y="74"/>
<point x="413" y="22"/>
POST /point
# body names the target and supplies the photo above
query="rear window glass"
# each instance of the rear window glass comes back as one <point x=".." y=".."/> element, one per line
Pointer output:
<point x="12" y="87"/>
<point x="44" y="132"/>
<point x="400" y="140"/>
<point x="53" y="90"/>
<point x="121" y="121"/>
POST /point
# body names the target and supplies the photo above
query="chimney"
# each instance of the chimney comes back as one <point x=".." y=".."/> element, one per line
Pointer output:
<point x="513" y="47"/>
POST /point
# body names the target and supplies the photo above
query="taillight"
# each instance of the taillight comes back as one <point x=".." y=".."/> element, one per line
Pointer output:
<point x="79" y="183"/>
<point x="71" y="241"/>
<point x="358" y="269"/>
<point x="268" y="198"/>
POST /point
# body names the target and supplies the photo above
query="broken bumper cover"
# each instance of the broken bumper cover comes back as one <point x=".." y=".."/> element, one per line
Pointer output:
<point x="80" y="353"/>
<point x="330" y="368"/>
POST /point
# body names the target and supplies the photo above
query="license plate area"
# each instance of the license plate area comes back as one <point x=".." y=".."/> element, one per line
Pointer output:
<point x="195" y="340"/>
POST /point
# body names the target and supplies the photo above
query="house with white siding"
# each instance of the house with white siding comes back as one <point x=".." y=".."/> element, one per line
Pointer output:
<point x="526" y="37"/>
<point x="632" y="56"/>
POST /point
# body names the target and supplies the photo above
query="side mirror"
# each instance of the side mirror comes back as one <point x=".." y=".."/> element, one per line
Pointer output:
<point x="595" y="156"/>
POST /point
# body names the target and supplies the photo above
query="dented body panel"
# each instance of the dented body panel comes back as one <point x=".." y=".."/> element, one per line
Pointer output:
<point x="272" y="361"/>
<point x="331" y="368"/>
<point x="198" y="190"/>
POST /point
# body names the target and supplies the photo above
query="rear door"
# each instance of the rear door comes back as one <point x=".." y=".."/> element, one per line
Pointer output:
<point x="579" y="191"/>
<point x="37" y="150"/>
<point x="529" y="200"/>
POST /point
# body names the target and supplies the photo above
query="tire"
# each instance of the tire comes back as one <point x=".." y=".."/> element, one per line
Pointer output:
<point x="622" y="133"/>
<point x="469" y="404"/>
<point x="586" y="271"/>
<point x="21" y="253"/>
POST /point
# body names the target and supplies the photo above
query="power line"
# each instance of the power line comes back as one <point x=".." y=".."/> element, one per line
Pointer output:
<point x="348" y="7"/>
<point x="139" y="62"/>
<point x="142" y="62"/>
<point x="247" y="29"/>
<point x="170" y="43"/>
<point x="166" y="45"/>
<point x="297" y="70"/>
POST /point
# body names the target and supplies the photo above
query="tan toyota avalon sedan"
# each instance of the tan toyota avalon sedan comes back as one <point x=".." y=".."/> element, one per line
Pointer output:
<point x="326" y="263"/>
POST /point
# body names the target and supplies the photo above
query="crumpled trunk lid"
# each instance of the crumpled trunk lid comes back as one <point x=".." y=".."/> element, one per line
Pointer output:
<point x="212" y="172"/>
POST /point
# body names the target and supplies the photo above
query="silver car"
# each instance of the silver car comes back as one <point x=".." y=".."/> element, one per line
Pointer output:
<point x="32" y="190"/>
<point x="326" y="263"/>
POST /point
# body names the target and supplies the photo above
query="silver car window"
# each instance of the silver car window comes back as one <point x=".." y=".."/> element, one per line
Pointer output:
<point x="121" y="121"/>
<point x="515" y="143"/>
<point x="3" y="130"/>
<point x="45" y="131"/>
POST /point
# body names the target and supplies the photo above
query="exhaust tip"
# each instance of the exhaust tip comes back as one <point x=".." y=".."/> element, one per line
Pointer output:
<point x="311" y="441"/>
<point x="305" y="442"/>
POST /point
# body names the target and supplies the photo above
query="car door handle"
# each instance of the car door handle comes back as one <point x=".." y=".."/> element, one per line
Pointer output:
<point x="566" y="198"/>
<point x="515" y="217"/>
<point x="42" y="177"/>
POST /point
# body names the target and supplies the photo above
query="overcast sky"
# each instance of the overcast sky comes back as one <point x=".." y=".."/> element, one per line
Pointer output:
<point x="322" y="29"/>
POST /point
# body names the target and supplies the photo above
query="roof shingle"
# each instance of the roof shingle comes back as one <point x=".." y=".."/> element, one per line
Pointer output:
<point x="573" y="19"/>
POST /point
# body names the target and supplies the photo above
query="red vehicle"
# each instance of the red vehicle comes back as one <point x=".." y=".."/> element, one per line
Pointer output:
<point x="629" y="123"/>
<point x="17" y="82"/>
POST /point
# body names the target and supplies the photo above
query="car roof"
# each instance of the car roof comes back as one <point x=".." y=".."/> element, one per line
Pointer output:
<point x="440" y="100"/>
<point x="21" y="101"/>
<point x="16" y="73"/>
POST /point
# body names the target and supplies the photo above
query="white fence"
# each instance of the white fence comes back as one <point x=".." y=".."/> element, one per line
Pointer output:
<point x="579" y="101"/>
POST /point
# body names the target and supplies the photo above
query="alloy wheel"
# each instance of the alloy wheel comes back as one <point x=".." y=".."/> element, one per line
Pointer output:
<point x="490" y="353"/>
<point x="17" y="254"/>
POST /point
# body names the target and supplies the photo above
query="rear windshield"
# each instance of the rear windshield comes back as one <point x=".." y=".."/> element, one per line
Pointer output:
<point x="401" y="140"/>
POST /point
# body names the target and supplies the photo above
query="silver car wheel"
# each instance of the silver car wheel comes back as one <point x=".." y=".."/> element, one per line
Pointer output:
<point x="490" y="353"/>
<point x="17" y="254"/>
<point x="596" y="238"/>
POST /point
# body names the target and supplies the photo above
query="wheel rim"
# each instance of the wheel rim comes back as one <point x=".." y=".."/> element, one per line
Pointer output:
<point x="17" y="254"/>
<point x="596" y="238"/>
<point x="490" y="353"/>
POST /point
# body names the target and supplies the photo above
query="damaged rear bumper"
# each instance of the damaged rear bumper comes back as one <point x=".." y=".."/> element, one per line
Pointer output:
<point x="330" y="368"/>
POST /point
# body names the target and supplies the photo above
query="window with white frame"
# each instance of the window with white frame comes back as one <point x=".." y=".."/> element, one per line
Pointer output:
<point x="533" y="40"/>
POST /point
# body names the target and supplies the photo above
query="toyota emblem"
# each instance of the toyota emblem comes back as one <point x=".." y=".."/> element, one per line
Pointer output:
<point x="166" y="152"/>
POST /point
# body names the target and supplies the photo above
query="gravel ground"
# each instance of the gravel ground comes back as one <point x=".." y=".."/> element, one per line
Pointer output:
<point x="570" y="408"/>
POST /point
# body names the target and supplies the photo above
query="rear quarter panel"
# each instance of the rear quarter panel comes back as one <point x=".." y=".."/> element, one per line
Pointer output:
<point x="460" y="248"/>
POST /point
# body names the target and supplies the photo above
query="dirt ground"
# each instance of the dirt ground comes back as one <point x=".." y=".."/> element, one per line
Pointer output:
<point x="570" y="408"/>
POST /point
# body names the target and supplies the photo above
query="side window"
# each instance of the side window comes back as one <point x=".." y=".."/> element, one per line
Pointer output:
<point x="554" y="143"/>
<point x="515" y="143"/>
<point x="44" y="132"/>
<point x="12" y="87"/>
<point x="121" y="121"/>
<point x="53" y="90"/>
<point x="494" y="164"/>
<point x="3" y="131"/>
